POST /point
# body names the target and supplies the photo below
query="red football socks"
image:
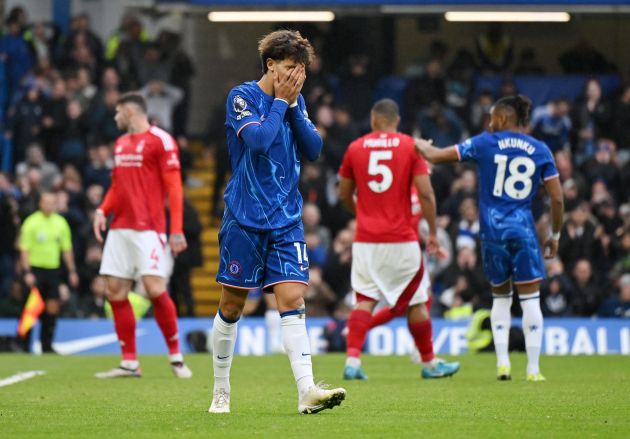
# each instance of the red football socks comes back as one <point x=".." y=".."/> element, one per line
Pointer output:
<point x="422" y="334"/>
<point x="125" y="324"/>
<point x="166" y="318"/>
<point x="358" y="326"/>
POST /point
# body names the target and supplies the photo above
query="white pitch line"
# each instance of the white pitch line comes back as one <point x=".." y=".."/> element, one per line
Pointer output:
<point x="20" y="376"/>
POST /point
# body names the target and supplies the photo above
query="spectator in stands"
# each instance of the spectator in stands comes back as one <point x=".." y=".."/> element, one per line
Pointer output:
<point x="621" y="122"/>
<point x="357" y="84"/>
<point x="588" y="291"/>
<point x="459" y="82"/>
<point x="30" y="189"/>
<point x="92" y="305"/>
<point x="35" y="159"/>
<point x="584" y="58"/>
<point x="73" y="144"/>
<point x="528" y="63"/>
<point x="494" y="49"/>
<point x="100" y="118"/>
<point x="618" y="306"/>
<point x="556" y="291"/>
<point x="422" y="91"/>
<point x="468" y="228"/>
<point x="318" y="297"/>
<point x="180" y="288"/>
<point x="16" y="54"/>
<point x="98" y="171"/>
<point x="338" y="264"/>
<point x="339" y="135"/>
<point x="440" y="124"/>
<point x="43" y="43"/>
<point x="578" y="237"/>
<point x="551" y="124"/>
<point x="592" y="117"/>
<point x="25" y="125"/>
<point x="182" y="70"/>
<point x="464" y="281"/>
<point x="54" y="119"/>
<point x="463" y="187"/>
<point x="9" y="222"/>
<point x="311" y="218"/>
<point x="479" y="115"/>
<point x="602" y="167"/>
<point x="161" y="100"/>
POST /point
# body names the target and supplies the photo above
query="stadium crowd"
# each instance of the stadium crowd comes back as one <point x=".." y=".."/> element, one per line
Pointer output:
<point x="57" y="105"/>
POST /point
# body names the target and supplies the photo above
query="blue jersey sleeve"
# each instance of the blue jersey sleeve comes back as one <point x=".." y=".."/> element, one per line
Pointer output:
<point x="244" y="118"/>
<point x="308" y="140"/>
<point x="548" y="165"/>
<point x="469" y="149"/>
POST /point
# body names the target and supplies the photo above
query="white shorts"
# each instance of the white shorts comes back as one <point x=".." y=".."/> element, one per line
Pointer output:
<point x="129" y="254"/>
<point x="384" y="270"/>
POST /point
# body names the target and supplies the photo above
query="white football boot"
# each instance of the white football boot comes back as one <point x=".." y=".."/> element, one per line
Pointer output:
<point x="220" y="402"/>
<point x="319" y="398"/>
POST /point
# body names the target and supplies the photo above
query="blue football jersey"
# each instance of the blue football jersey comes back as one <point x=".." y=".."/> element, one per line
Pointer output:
<point x="263" y="191"/>
<point x="510" y="168"/>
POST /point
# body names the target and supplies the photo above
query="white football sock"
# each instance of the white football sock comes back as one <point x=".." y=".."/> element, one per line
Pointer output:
<point x="130" y="364"/>
<point x="298" y="348"/>
<point x="176" y="358"/>
<point x="533" y="329"/>
<point x="223" y="341"/>
<point x="272" y="322"/>
<point x="501" y="319"/>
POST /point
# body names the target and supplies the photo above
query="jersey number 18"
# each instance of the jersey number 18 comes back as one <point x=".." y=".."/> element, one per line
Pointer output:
<point x="518" y="184"/>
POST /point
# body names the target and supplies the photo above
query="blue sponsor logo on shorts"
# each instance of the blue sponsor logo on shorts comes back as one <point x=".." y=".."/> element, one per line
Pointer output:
<point x="235" y="268"/>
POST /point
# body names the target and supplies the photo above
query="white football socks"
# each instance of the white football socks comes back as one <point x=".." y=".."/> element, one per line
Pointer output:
<point x="272" y="322"/>
<point x="223" y="341"/>
<point x="500" y="319"/>
<point x="298" y="348"/>
<point x="533" y="329"/>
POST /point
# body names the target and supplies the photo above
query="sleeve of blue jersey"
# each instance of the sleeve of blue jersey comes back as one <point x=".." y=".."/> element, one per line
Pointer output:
<point x="308" y="140"/>
<point x="467" y="150"/>
<point x="243" y="117"/>
<point x="549" y="169"/>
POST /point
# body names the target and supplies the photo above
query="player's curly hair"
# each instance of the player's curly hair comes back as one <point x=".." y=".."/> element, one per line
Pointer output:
<point x="521" y="105"/>
<point x="285" y="44"/>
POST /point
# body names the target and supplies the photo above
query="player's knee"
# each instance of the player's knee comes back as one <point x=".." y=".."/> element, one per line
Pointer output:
<point x="231" y="310"/>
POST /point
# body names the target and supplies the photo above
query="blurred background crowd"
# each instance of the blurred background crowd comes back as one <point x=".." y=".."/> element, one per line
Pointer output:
<point x="57" y="103"/>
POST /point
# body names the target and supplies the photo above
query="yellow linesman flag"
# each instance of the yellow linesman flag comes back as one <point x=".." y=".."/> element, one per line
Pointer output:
<point x="32" y="310"/>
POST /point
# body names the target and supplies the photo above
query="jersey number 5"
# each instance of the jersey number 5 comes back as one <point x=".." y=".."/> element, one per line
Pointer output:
<point x="518" y="184"/>
<point x="376" y="168"/>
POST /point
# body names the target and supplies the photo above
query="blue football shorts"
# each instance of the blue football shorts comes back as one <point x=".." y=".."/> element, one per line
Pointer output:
<point x="517" y="259"/>
<point x="252" y="259"/>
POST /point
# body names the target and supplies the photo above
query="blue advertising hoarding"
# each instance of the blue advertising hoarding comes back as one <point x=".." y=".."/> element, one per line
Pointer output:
<point x="569" y="336"/>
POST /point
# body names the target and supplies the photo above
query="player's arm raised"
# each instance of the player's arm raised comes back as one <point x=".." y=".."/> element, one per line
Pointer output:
<point x="427" y="201"/>
<point x="346" y="193"/>
<point x="436" y="155"/>
<point x="307" y="137"/>
<point x="554" y="189"/>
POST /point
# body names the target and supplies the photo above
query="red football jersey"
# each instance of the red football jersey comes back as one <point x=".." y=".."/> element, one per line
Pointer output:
<point x="382" y="166"/>
<point x="140" y="162"/>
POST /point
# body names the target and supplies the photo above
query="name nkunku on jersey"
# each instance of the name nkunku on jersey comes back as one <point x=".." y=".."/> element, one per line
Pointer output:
<point x="510" y="168"/>
<point x="263" y="191"/>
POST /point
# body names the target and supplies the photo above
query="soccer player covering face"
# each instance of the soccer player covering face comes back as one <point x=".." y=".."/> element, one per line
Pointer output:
<point x="262" y="237"/>
<point x="146" y="170"/>
<point x="386" y="256"/>
<point x="511" y="165"/>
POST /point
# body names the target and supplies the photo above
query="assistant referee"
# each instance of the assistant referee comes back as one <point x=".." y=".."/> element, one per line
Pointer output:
<point x="44" y="237"/>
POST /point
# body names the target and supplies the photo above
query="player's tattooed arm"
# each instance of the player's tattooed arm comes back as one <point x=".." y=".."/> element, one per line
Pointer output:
<point x="346" y="193"/>
<point x="436" y="155"/>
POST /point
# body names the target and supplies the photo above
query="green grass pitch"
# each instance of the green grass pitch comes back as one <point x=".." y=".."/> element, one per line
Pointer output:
<point x="583" y="397"/>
